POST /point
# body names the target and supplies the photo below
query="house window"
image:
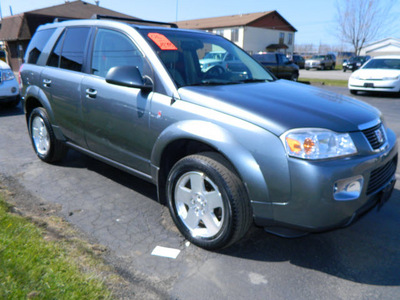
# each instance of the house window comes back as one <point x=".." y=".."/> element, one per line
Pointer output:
<point x="281" y="38"/>
<point x="290" y="39"/>
<point x="219" y="32"/>
<point x="235" y="35"/>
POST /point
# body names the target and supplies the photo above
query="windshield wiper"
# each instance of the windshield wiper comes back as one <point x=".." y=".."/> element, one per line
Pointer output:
<point x="253" y="80"/>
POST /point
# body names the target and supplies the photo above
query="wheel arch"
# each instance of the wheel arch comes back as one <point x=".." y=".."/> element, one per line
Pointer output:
<point x="35" y="97"/>
<point x="193" y="137"/>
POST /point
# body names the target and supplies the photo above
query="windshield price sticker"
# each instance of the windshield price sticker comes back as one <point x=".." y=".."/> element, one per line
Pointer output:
<point x="162" y="41"/>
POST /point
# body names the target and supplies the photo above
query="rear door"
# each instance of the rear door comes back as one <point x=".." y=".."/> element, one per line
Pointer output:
<point x="116" y="118"/>
<point x="61" y="80"/>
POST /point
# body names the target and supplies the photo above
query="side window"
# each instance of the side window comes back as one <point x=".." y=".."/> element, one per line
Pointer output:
<point x="69" y="51"/>
<point x="111" y="49"/>
<point x="54" y="59"/>
<point x="36" y="46"/>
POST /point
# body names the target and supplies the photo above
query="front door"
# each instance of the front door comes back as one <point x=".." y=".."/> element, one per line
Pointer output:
<point x="116" y="118"/>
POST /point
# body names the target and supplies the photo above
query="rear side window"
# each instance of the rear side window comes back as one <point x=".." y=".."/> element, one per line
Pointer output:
<point x="70" y="49"/>
<point x="37" y="44"/>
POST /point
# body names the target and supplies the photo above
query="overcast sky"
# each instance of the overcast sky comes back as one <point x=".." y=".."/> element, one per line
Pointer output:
<point x="314" y="19"/>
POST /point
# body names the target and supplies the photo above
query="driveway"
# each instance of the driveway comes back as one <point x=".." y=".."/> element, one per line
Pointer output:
<point x="120" y="212"/>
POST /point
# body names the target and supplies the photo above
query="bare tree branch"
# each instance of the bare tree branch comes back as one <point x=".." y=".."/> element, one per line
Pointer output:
<point x="362" y="21"/>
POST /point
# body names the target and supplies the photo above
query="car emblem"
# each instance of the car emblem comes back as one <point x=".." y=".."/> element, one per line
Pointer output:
<point x="379" y="135"/>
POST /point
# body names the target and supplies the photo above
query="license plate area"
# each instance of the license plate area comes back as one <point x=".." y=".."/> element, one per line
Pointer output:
<point x="368" y="84"/>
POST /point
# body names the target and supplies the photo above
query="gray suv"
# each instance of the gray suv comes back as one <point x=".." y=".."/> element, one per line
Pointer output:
<point x="225" y="147"/>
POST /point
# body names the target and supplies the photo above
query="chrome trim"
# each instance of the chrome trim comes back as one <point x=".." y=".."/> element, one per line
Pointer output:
<point x="369" y="124"/>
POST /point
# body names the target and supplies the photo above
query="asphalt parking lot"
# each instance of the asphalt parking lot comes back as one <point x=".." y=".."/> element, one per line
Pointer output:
<point x="120" y="212"/>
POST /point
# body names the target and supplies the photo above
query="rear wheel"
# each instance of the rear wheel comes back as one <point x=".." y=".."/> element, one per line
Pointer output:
<point x="44" y="142"/>
<point x="207" y="201"/>
<point x="294" y="77"/>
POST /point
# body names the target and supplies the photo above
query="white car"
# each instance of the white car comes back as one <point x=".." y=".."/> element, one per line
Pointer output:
<point x="380" y="74"/>
<point x="9" y="88"/>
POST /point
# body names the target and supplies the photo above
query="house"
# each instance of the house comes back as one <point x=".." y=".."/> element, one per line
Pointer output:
<point x="254" y="32"/>
<point x="388" y="46"/>
<point x="16" y="31"/>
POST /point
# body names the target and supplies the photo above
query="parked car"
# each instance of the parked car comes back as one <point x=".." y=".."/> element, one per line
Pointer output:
<point x="217" y="58"/>
<point x="279" y="65"/>
<point x="344" y="63"/>
<point x="9" y="88"/>
<point x="224" y="149"/>
<point x="321" y="62"/>
<point x="379" y="74"/>
<point x="298" y="60"/>
<point x="355" y="63"/>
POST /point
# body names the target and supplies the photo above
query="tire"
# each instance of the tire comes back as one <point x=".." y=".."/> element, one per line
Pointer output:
<point x="322" y="67"/>
<point x="333" y="67"/>
<point x="44" y="142"/>
<point x="307" y="69"/>
<point x="208" y="201"/>
<point x="353" y="92"/>
<point x="294" y="77"/>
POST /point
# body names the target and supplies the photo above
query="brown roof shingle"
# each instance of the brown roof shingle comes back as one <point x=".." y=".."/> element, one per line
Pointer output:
<point x="22" y="26"/>
<point x="268" y="19"/>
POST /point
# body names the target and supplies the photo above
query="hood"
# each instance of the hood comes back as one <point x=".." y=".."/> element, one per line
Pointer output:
<point x="376" y="73"/>
<point x="282" y="105"/>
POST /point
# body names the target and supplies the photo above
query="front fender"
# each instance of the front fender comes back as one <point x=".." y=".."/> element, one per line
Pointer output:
<point x="225" y="143"/>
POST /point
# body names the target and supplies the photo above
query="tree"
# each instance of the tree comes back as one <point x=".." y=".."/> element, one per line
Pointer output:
<point x="362" y="21"/>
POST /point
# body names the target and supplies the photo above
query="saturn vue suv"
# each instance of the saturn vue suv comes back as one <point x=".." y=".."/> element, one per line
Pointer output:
<point x="225" y="148"/>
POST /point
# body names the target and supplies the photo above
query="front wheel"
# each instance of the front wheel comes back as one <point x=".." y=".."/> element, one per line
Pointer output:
<point x="208" y="201"/>
<point x="353" y="92"/>
<point x="294" y="77"/>
<point x="44" y="142"/>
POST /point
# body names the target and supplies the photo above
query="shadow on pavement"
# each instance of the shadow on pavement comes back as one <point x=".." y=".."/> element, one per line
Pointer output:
<point x="76" y="159"/>
<point x="367" y="252"/>
<point x="10" y="111"/>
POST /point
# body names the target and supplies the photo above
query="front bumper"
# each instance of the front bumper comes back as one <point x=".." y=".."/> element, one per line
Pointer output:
<point x="312" y="207"/>
<point x="9" y="91"/>
<point x="374" y="85"/>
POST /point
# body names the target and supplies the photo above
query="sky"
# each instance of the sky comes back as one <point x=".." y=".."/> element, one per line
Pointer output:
<point x="314" y="19"/>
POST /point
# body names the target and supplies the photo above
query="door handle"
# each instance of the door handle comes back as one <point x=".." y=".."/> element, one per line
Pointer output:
<point x="46" y="82"/>
<point x="91" y="93"/>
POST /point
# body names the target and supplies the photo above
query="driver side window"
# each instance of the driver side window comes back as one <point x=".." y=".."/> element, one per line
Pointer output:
<point x="111" y="49"/>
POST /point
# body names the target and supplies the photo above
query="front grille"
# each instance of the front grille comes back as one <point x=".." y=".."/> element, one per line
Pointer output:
<point x="375" y="136"/>
<point x="381" y="176"/>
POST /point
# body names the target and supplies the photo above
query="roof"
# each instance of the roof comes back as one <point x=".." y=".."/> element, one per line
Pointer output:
<point x="268" y="19"/>
<point x="22" y="26"/>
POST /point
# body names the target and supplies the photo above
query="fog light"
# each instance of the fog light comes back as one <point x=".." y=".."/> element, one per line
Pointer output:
<point x="13" y="90"/>
<point x="348" y="189"/>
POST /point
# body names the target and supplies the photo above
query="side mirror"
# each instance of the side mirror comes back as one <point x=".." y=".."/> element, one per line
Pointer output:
<point x="129" y="76"/>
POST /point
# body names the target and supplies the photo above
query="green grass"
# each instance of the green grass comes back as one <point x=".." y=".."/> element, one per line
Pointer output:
<point x="330" y="82"/>
<point x="34" y="268"/>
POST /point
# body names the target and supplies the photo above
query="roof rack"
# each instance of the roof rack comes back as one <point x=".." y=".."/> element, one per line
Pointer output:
<point x="96" y="16"/>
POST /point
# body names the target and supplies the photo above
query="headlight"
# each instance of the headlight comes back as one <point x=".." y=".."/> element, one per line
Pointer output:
<point x="355" y="76"/>
<point x="7" y="75"/>
<point x="390" y="78"/>
<point x="314" y="143"/>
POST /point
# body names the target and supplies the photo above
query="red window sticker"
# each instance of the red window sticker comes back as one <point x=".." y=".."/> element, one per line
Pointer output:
<point x="161" y="41"/>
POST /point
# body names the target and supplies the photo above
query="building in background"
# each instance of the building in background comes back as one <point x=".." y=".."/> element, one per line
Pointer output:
<point x="16" y="31"/>
<point x="388" y="46"/>
<point x="254" y="32"/>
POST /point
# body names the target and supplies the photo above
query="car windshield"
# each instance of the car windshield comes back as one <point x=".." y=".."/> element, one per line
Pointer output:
<point x="183" y="54"/>
<point x="383" y="63"/>
<point x="318" y="57"/>
<point x="358" y="59"/>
